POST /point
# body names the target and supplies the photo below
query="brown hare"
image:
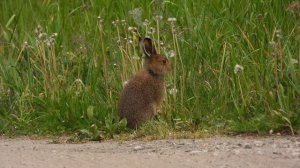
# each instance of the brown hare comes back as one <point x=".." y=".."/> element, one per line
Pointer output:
<point x="144" y="93"/>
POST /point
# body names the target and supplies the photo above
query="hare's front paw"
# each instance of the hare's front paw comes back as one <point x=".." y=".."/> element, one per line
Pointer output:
<point x="157" y="110"/>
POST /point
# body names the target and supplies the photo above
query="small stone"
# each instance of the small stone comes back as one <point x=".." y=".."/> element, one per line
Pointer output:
<point x="277" y="153"/>
<point x="215" y="153"/>
<point x="271" y="131"/>
<point x="284" y="146"/>
<point x="236" y="151"/>
<point x="259" y="143"/>
<point x="195" y="152"/>
<point x="259" y="152"/>
<point x="247" y="146"/>
<point x="297" y="154"/>
<point x="136" y="148"/>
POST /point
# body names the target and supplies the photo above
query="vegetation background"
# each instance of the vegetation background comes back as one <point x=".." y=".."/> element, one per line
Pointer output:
<point x="235" y="65"/>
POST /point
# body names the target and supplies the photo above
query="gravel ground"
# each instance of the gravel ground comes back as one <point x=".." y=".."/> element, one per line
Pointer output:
<point x="220" y="152"/>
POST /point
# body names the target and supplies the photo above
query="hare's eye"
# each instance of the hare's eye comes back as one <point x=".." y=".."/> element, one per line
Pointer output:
<point x="164" y="61"/>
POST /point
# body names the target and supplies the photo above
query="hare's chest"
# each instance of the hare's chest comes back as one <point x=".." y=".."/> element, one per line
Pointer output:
<point x="158" y="93"/>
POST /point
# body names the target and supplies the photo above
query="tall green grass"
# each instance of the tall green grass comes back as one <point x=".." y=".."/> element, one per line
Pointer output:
<point x="235" y="64"/>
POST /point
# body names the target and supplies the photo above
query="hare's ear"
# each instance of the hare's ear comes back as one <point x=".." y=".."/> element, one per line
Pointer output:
<point x="147" y="47"/>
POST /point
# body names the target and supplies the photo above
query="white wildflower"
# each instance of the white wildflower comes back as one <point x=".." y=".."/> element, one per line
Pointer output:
<point x="238" y="69"/>
<point x="171" y="53"/>
<point x="100" y="20"/>
<point x="158" y="17"/>
<point x="54" y="35"/>
<point x="152" y="30"/>
<point x="48" y="43"/>
<point x="116" y="22"/>
<point x="123" y="22"/>
<point x="273" y="44"/>
<point x="78" y="81"/>
<point x="125" y="83"/>
<point x="135" y="57"/>
<point x="173" y="91"/>
<point x="25" y="45"/>
<point x="172" y="20"/>
<point x="278" y="34"/>
<point x="130" y="29"/>
<point x="294" y="61"/>
<point x="146" y="23"/>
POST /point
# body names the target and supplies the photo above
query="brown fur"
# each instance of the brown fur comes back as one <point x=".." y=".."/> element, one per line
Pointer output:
<point x="144" y="93"/>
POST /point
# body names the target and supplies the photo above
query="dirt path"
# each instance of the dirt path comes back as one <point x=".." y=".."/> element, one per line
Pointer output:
<point x="222" y="152"/>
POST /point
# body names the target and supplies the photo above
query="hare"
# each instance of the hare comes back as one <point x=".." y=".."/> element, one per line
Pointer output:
<point x="144" y="93"/>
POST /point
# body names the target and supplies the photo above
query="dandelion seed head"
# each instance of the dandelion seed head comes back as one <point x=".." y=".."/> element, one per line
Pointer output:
<point x="158" y="18"/>
<point x="136" y="15"/>
<point x="238" y="69"/>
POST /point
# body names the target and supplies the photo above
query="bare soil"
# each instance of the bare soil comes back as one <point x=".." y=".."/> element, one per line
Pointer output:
<point x="220" y="152"/>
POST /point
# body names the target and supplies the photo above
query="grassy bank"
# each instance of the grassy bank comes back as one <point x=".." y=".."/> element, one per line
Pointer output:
<point x="235" y="64"/>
